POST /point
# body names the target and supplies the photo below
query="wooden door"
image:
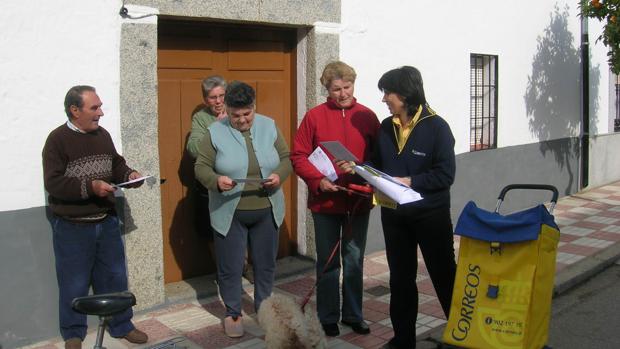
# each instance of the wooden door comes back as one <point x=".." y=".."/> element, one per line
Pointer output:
<point x="187" y="53"/>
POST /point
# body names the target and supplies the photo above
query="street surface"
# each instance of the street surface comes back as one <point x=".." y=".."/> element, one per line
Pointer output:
<point x="589" y="315"/>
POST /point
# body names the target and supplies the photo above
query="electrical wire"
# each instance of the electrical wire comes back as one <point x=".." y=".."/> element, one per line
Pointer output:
<point x="124" y="12"/>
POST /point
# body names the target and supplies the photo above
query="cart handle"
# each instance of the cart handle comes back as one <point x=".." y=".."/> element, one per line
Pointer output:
<point x="551" y="188"/>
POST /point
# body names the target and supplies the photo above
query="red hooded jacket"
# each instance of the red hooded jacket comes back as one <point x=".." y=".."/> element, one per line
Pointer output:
<point x="356" y="128"/>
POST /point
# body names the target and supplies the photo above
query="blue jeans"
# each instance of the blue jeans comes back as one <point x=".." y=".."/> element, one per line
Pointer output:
<point x="328" y="229"/>
<point x="89" y="254"/>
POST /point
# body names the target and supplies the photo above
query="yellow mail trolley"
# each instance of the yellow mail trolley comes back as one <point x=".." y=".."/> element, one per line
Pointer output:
<point x="504" y="279"/>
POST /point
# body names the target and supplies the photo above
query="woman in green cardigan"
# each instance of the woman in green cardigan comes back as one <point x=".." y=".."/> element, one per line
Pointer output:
<point x="242" y="161"/>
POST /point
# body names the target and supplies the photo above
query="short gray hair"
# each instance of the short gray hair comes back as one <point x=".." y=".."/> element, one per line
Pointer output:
<point x="212" y="82"/>
<point x="74" y="97"/>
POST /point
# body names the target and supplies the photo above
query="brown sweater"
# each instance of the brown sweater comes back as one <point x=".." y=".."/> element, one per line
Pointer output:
<point x="71" y="161"/>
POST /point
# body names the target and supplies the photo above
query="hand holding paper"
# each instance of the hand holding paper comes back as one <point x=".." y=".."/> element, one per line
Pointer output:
<point x="225" y="183"/>
<point x="273" y="181"/>
<point x="346" y="166"/>
<point x="327" y="186"/>
<point x="102" y="188"/>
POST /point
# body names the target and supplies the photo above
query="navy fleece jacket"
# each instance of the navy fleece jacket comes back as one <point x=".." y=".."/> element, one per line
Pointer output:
<point x="428" y="158"/>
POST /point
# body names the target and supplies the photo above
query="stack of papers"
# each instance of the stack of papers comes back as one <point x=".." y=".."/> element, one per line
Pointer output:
<point x="388" y="185"/>
<point x="389" y="191"/>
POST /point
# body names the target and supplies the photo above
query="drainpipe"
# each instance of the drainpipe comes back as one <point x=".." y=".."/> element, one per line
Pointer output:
<point x="585" y="102"/>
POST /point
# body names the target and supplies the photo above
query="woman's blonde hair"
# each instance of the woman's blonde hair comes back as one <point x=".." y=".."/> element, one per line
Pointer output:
<point x="337" y="70"/>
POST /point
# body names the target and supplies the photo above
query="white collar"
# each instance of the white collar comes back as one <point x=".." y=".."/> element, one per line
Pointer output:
<point x="73" y="127"/>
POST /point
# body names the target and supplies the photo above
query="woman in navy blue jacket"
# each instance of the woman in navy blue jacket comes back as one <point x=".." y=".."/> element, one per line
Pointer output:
<point x="416" y="146"/>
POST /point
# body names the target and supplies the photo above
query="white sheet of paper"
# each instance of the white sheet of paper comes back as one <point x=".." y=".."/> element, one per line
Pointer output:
<point x="339" y="151"/>
<point x="390" y="187"/>
<point x="384" y="175"/>
<point x="321" y="161"/>
<point x="121" y="185"/>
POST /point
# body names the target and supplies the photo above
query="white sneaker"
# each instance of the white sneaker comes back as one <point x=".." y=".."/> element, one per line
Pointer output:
<point x="233" y="328"/>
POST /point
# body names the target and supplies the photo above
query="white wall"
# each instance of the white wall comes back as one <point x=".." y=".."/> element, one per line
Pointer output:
<point x="600" y="76"/>
<point x="604" y="160"/>
<point x="47" y="47"/>
<point x="438" y="37"/>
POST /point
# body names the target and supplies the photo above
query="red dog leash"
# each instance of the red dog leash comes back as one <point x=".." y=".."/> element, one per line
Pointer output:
<point x="352" y="189"/>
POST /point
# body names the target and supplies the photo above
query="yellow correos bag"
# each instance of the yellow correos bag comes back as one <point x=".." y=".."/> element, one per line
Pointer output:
<point x="504" y="279"/>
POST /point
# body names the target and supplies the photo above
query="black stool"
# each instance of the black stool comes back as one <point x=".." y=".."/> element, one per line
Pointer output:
<point x="104" y="306"/>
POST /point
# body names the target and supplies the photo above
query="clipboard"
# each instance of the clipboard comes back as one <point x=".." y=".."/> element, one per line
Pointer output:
<point x="338" y="151"/>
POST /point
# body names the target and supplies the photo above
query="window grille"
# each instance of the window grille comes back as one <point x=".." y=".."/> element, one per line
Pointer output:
<point x="483" y="102"/>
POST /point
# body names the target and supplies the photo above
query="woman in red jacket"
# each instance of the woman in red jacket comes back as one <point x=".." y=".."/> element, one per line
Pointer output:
<point x="335" y="213"/>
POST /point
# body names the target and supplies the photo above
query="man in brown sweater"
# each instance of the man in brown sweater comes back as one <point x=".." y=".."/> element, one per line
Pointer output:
<point x="80" y="164"/>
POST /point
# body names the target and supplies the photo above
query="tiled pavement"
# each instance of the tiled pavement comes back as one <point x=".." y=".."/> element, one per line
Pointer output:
<point x="589" y="223"/>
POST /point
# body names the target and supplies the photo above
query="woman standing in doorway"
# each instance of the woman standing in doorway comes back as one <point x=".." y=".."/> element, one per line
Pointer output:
<point x="248" y="146"/>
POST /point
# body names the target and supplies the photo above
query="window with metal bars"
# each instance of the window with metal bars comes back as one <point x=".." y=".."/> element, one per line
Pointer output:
<point x="483" y="102"/>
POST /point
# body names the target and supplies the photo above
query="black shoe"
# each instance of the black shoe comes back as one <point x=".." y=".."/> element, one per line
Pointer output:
<point x="358" y="327"/>
<point x="331" y="330"/>
<point x="390" y="345"/>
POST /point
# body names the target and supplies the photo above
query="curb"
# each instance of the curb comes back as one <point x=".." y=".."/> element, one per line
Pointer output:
<point x="579" y="272"/>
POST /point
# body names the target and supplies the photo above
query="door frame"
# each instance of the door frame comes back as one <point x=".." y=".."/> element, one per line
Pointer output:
<point x="317" y="44"/>
<point x="188" y="259"/>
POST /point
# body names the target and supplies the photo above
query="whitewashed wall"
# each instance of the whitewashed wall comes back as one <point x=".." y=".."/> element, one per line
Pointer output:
<point x="438" y="37"/>
<point x="602" y="103"/>
<point x="47" y="47"/>
<point x="604" y="159"/>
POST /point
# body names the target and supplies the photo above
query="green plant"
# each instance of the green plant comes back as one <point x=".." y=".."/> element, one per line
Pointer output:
<point x="607" y="11"/>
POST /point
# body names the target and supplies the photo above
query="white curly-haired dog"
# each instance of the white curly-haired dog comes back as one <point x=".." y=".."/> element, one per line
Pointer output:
<point x="287" y="327"/>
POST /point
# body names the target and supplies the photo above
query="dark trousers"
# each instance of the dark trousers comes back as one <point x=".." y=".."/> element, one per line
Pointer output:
<point x="404" y="232"/>
<point x="328" y="229"/>
<point x="89" y="254"/>
<point x="257" y="229"/>
<point x="202" y="219"/>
